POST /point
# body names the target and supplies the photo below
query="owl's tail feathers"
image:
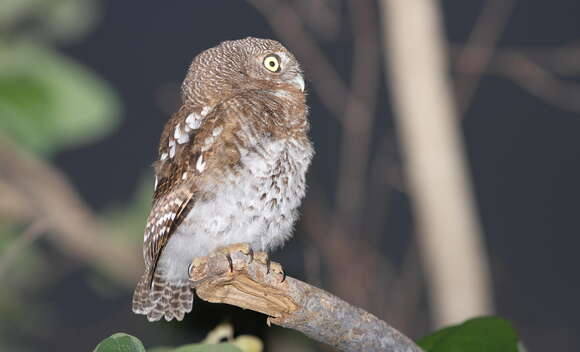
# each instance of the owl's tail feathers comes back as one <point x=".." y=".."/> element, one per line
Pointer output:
<point x="163" y="299"/>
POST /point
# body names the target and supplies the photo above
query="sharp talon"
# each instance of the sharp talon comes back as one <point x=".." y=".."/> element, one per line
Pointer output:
<point x="195" y="263"/>
<point x="262" y="258"/>
<point x="230" y="262"/>
<point x="251" y="255"/>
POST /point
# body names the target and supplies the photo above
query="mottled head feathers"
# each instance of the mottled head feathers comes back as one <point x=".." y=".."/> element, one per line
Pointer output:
<point x="240" y="65"/>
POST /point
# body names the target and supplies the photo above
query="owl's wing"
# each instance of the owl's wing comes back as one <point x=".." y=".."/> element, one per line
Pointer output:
<point x="186" y="156"/>
<point x="171" y="203"/>
<point x="166" y="214"/>
<point x="151" y="294"/>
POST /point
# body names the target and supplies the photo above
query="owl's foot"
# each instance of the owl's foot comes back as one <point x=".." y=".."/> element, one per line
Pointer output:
<point x="228" y="252"/>
<point x="238" y="251"/>
<point x="260" y="257"/>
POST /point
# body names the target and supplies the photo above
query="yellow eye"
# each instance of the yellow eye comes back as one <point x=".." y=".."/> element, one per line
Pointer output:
<point x="272" y="63"/>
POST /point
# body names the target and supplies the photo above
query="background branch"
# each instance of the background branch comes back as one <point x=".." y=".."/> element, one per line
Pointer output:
<point x="9" y="255"/>
<point x="486" y="32"/>
<point x="449" y="235"/>
<point x="534" y="70"/>
<point x="73" y="228"/>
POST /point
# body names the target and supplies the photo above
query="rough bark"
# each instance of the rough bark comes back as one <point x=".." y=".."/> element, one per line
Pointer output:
<point x="294" y="304"/>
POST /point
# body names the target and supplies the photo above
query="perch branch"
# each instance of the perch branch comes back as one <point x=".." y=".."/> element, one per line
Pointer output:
<point x="294" y="304"/>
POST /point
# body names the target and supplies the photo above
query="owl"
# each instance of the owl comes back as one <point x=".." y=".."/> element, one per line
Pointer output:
<point x="231" y="167"/>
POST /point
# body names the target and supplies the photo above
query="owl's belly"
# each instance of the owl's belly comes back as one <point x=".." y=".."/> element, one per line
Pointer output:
<point x="257" y="204"/>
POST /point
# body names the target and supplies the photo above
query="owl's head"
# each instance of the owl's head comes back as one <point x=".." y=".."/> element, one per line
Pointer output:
<point x="241" y="65"/>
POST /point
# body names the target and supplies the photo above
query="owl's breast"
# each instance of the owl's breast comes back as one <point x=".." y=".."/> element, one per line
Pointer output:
<point x="257" y="202"/>
<point x="273" y="176"/>
<point x="278" y="170"/>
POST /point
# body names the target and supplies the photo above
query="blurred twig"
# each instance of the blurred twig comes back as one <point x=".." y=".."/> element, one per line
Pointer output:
<point x="33" y="232"/>
<point x="485" y="33"/>
<point x="536" y="71"/>
<point x="322" y="16"/>
<point x="73" y="227"/>
<point x="405" y="293"/>
<point x="351" y="261"/>
<point x="13" y="205"/>
<point x="449" y="235"/>
<point x="562" y="60"/>
<point x="358" y="115"/>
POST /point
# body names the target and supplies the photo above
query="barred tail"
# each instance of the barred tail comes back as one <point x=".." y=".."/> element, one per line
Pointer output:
<point x="163" y="299"/>
<point x="141" y="300"/>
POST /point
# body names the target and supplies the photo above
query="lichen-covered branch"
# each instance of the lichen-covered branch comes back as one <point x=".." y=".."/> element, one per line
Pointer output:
<point x="294" y="304"/>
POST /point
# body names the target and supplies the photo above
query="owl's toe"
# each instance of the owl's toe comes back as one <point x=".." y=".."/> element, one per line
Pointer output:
<point x="234" y="250"/>
<point x="277" y="269"/>
<point x="262" y="258"/>
<point x="237" y="247"/>
<point x="271" y="267"/>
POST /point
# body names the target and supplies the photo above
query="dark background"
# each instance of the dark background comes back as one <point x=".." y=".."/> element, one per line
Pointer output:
<point x="524" y="155"/>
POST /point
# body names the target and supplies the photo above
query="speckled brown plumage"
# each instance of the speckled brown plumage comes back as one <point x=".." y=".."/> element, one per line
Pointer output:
<point x="231" y="168"/>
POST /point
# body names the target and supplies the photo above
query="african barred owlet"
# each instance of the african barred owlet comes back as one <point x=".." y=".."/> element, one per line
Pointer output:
<point x="231" y="168"/>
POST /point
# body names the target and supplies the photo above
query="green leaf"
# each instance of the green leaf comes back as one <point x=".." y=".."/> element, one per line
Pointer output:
<point x="49" y="102"/>
<point x="430" y="341"/>
<point x="484" y="334"/>
<point x="120" y="342"/>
